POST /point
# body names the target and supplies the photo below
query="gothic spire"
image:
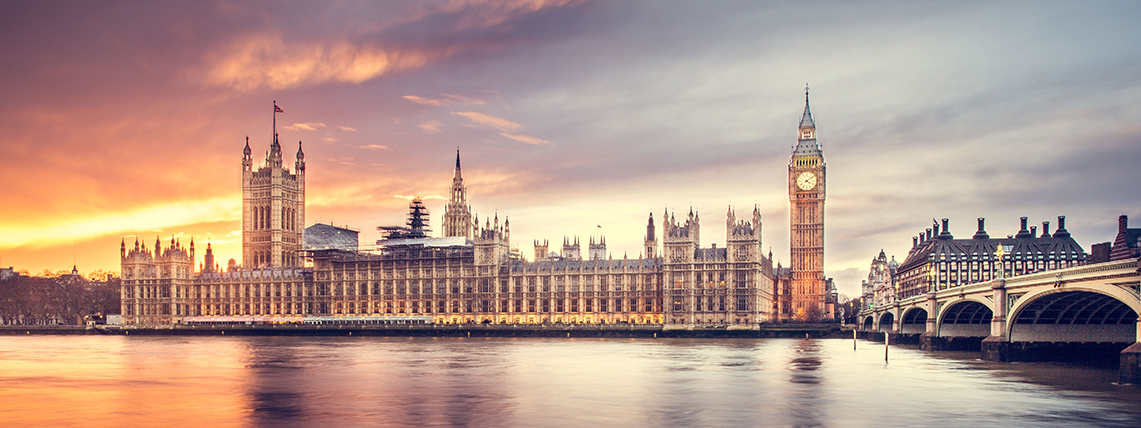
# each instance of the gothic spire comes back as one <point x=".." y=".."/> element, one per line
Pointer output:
<point x="806" y="120"/>
<point x="806" y="136"/>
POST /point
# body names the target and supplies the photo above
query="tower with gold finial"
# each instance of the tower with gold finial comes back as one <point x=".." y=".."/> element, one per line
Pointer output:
<point x="806" y="192"/>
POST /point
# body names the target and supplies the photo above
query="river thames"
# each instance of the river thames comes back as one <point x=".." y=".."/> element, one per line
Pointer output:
<point x="377" y="381"/>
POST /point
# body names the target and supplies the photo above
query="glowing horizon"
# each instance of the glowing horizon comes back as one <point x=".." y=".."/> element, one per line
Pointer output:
<point x="125" y="119"/>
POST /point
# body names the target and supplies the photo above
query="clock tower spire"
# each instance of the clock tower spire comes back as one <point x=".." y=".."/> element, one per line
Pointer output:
<point x="806" y="185"/>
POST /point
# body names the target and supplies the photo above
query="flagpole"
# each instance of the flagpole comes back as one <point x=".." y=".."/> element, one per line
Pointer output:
<point x="273" y="137"/>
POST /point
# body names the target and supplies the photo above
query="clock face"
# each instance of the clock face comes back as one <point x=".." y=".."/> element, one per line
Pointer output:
<point x="806" y="181"/>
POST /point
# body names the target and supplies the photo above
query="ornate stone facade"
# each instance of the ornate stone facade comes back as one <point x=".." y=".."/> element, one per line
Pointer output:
<point x="155" y="283"/>
<point x="457" y="214"/>
<point x="273" y="210"/>
<point x="879" y="289"/>
<point x="471" y="275"/>
<point x="806" y="191"/>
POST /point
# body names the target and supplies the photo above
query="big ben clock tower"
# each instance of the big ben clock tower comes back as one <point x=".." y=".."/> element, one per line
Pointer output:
<point x="806" y="184"/>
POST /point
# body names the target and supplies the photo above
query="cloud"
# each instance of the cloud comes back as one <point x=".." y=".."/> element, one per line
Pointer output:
<point x="505" y="128"/>
<point x="449" y="99"/>
<point x="307" y="126"/>
<point x="349" y="129"/>
<point x="525" y="139"/>
<point x="267" y="61"/>
<point x="480" y="120"/>
<point x="375" y="146"/>
<point x="426" y="101"/>
<point x="431" y="126"/>
<point x="411" y="197"/>
<point x="329" y="139"/>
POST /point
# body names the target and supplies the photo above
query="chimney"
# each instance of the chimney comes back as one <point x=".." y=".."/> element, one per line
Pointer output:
<point x="1045" y="229"/>
<point x="928" y="233"/>
<point x="1061" y="232"/>
<point x="1022" y="232"/>
<point x="914" y="241"/>
<point x="1122" y="224"/>
<point x="981" y="233"/>
<point x="1033" y="231"/>
<point x="946" y="234"/>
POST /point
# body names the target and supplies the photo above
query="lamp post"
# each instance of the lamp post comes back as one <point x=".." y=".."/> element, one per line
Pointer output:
<point x="1000" y="255"/>
<point x="931" y="277"/>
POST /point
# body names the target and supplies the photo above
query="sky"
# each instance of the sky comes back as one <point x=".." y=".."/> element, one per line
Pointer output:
<point x="127" y="119"/>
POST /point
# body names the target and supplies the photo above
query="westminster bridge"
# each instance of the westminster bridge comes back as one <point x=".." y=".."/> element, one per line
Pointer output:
<point x="1069" y="313"/>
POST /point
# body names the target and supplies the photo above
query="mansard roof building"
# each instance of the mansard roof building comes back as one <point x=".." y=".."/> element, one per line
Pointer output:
<point x="939" y="261"/>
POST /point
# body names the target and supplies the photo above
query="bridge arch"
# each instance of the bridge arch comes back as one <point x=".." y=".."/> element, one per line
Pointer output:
<point x="967" y="317"/>
<point x="886" y="320"/>
<point x="1074" y="314"/>
<point x="869" y="323"/>
<point x="913" y="321"/>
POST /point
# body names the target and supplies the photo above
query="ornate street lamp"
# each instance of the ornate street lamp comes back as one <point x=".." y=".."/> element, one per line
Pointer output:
<point x="931" y="277"/>
<point x="1000" y="254"/>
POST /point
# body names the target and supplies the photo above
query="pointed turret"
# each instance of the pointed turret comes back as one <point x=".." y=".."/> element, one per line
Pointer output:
<point x="806" y="138"/>
<point x="806" y="120"/>
<point x="247" y="160"/>
<point x="299" y="166"/>
<point x="457" y="214"/>
<point x="273" y="159"/>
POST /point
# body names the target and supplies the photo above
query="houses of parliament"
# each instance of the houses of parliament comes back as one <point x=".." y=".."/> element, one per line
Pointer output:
<point x="471" y="275"/>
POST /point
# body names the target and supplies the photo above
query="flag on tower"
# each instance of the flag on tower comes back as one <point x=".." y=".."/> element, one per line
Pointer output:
<point x="277" y="109"/>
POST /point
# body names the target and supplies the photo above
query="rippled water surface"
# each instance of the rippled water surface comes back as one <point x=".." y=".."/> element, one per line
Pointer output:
<point x="370" y="381"/>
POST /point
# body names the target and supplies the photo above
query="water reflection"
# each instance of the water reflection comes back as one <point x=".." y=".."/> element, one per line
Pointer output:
<point x="804" y="401"/>
<point x="276" y="382"/>
<point x="290" y="381"/>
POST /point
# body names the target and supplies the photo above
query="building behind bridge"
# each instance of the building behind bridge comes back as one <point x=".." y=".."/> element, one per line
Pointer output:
<point x="939" y="261"/>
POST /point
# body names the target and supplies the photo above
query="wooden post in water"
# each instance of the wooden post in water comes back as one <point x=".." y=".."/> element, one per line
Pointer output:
<point x="853" y="339"/>
<point x="885" y="340"/>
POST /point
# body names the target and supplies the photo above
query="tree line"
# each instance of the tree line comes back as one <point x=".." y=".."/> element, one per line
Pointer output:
<point x="57" y="297"/>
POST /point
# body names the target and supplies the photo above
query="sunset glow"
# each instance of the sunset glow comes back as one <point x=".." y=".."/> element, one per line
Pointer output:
<point x="125" y="120"/>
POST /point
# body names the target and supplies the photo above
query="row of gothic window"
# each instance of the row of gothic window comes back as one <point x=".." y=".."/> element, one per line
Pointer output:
<point x="262" y="217"/>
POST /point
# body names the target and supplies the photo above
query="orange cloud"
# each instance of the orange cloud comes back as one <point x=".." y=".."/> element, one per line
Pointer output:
<point x="449" y="99"/>
<point x="426" y="101"/>
<point x="410" y="197"/>
<point x="308" y="126"/>
<point x="487" y="13"/>
<point x="431" y="126"/>
<point x="269" y="62"/>
<point x="480" y="120"/>
<point x="525" y="139"/>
